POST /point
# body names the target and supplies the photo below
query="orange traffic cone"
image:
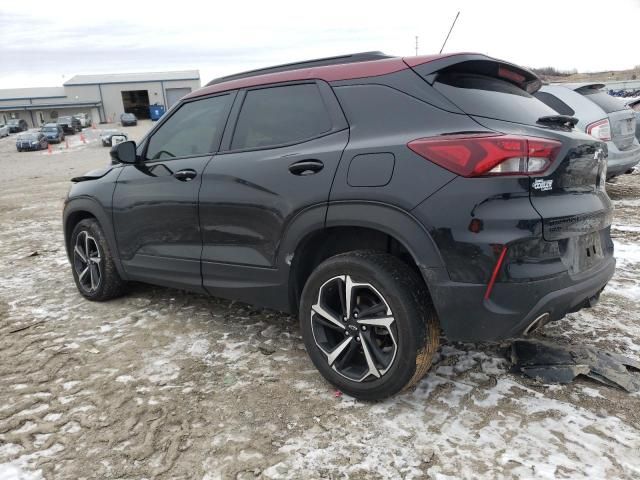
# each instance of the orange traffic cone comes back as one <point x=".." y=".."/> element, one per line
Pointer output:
<point x="49" y="148"/>
<point x="66" y="143"/>
<point x="82" y="138"/>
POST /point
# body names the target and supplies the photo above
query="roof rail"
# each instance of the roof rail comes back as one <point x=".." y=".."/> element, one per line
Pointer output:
<point x="320" y="62"/>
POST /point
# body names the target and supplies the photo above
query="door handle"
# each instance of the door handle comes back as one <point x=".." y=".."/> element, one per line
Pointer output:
<point x="306" y="167"/>
<point x="185" y="175"/>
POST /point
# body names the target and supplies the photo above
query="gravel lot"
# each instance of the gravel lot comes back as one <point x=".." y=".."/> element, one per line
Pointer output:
<point x="171" y="385"/>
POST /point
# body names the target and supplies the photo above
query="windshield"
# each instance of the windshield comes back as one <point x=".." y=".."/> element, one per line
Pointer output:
<point x="13" y="122"/>
<point x="50" y="128"/>
<point x="28" y="136"/>
<point x="64" y="119"/>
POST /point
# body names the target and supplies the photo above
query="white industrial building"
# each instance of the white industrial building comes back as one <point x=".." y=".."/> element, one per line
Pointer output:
<point x="104" y="97"/>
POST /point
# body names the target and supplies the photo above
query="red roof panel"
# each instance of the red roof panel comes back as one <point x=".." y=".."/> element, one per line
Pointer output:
<point x="328" y="73"/>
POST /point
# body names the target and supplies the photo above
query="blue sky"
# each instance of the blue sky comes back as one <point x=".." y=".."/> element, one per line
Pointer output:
<point x="41" y="47"/>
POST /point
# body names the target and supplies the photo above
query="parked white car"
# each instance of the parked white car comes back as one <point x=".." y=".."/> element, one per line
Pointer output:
<point x="4" y="130"/>
<point x="85" y="120"/>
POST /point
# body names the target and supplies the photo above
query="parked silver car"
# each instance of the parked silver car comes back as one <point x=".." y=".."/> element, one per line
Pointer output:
<point x="600" y="115"/>
<point x="634" y="104"/>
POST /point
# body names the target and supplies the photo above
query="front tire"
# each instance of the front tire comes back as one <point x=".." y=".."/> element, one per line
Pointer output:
<point x="368" y="324"/>
<point x="92" y="263"/>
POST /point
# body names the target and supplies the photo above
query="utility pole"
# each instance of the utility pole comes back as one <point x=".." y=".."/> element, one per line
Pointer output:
<point x="416" y="45"/>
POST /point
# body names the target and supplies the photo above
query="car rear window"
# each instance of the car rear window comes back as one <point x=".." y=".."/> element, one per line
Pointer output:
<point x="491" y="97"/>
<point x="279" y="116"/>
<point x="555" y="103"/>
<point x="603" y="100"/>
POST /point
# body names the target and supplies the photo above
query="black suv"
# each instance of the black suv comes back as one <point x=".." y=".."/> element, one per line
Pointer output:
<point x="378" y="198"/>
<point x="17" y="125"/>
<point x="70" y="125"/>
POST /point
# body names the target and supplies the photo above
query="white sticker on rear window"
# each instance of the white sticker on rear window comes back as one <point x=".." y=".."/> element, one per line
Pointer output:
<point x="542" y="185"/>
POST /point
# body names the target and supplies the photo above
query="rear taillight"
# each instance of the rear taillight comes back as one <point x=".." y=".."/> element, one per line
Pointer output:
<point x="600" y="129"/>
<point x="488" y="155"/>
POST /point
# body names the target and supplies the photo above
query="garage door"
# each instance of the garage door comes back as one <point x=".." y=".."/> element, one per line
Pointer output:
<point x="175" y="94"/>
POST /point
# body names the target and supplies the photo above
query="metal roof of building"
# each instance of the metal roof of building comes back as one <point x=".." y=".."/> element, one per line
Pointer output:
<point x="133" y="77"/>
<point x="42" y="106"/>
<point x="36" y="92"/>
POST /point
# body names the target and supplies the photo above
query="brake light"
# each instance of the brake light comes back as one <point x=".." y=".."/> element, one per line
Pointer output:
<point x="600" y="129"/>
<point x="511" y="75"/>
<point x="488" y="155"/>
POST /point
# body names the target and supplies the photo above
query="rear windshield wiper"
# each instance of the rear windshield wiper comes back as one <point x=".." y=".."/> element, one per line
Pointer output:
<point x="560" y="120"/>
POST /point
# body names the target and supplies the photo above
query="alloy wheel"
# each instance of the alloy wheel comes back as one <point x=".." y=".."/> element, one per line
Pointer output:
<point x="87" y="262"/>
<point x="354" y="327"/>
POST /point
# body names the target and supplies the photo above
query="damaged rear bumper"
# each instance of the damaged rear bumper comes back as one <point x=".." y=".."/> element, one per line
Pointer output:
<point x="466" y="316"/>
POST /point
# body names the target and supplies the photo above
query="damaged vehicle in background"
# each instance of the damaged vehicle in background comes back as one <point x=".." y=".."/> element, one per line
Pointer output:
<point x="106" y="136"/>
<point x="70" y="125"/>
<point x="85" y="119"/>
<point x="4" y="130"/>
<point x="128" y="120"/>
<point x="17" y="125"/>
<point x="380" y="199"/>
<point x="601" y="116"/>
<point x="31" y="141"/>
<point x="635" y="106"/>
<point x="53" y="132"/>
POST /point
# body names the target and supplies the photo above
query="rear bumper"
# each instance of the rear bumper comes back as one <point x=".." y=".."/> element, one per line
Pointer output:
<point x="621" y="161"/>
<point x="466" y="316"/>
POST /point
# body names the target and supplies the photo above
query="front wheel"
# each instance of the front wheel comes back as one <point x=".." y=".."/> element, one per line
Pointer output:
<point x="368" y="324"/>
<point x="93" y="266"/>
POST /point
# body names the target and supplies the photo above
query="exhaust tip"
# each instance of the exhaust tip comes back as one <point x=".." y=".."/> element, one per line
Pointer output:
<point x="537" y="323"/>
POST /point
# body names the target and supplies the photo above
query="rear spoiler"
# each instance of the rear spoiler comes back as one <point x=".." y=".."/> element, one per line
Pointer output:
<point x="582" y="87"/>
<point x="480" y="64"/>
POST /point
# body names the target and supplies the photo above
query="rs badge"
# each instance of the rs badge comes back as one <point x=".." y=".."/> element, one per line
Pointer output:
<point x="542" y="185"/>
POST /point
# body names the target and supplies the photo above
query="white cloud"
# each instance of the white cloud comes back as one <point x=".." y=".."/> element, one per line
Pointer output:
<point x="220" y="38"/>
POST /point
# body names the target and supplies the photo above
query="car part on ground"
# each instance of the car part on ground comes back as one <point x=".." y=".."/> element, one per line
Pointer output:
<point x="600" y="115"/>
<point x="261" y="187"/>
<point x="554" y="363"/>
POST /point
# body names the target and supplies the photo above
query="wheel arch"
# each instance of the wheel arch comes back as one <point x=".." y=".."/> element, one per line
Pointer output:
<point x="80" y="208"/>
<point x="350" y="226"/>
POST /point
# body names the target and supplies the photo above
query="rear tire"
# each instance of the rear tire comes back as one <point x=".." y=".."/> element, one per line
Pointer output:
<point x="92" y="263"/>
<point x="387" y="342"/>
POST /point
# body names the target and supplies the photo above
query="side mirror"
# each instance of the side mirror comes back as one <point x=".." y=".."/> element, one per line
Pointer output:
<point x="124" y="152"/>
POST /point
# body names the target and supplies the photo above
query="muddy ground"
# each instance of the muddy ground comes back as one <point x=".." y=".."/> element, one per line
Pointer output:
<point x="170" y="385"/>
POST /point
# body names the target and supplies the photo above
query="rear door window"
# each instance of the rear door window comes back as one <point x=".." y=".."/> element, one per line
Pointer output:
<point x="555" y="103"/>
<point x="491" y="97"/>
<point x="603" y="100"/>
<point x="280" y="116"/>
<point x="191" y="130"/>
